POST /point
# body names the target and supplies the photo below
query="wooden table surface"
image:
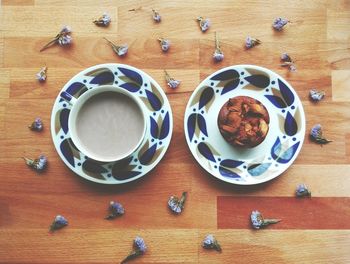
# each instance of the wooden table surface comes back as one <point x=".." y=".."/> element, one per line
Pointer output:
<point x="315" y="230"/>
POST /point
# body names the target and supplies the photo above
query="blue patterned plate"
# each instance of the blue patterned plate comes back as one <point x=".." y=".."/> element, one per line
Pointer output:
<point x="236" y="165"/>
<point x="158" y="117"/>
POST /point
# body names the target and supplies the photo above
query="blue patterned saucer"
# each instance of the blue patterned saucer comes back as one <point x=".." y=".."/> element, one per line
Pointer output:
<point x="155" y="106"/>
<point x="233" y="164"/>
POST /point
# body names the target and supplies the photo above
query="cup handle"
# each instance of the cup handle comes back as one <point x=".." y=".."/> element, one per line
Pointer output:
<point x="68" y="97"/>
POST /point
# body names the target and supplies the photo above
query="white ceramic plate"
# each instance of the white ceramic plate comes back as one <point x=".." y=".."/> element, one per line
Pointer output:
<point x="158" y="117"/>
<point x="233" y="164"/>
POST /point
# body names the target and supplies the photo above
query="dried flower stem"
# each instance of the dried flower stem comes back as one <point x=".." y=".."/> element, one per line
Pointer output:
<point x="135" y="9"/>
<point x="133" y="254"/>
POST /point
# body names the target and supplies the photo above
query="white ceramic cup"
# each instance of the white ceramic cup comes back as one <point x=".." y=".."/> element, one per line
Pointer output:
<point x="128" y="147"/>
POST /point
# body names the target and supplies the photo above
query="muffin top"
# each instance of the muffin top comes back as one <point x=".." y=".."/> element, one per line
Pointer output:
<point x="243" y="121"/>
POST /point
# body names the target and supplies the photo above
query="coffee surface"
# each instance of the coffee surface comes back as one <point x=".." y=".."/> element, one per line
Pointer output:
<point x="109" y="125"/>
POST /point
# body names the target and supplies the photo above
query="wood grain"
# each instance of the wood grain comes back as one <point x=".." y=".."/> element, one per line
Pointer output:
<point x="312" y="230"/>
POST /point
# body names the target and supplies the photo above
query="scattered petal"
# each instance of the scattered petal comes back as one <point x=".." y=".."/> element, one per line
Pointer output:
<point x="116" y="209"/>
<point x="121" y="50"/>
<point x="218" y="54"/>
<point x="204" y="24"/>
<point x="38" y="164"/>
<point x="63" y="38"/>
<point x="210" y="242"/>
<point x="103" y="21"/>
<point x="139" y="249"/>
<point x="156" y="16"/>
<point x="175" y="204"/>
<point x="37" y="125"/>
<point x="251" y="42"/>
<point x="288" y="62"/>
<point x="41" y="75"/>
<point x="258" y="220"/>
<point x="302" y="191"/>
<point x="316" y="96"/>
<point x="172" y="83"/>
<point x="164" y="44"/>
<point x="58" y="223"/>
<point x="279" y="23"/>
<point x="316" y="135"/>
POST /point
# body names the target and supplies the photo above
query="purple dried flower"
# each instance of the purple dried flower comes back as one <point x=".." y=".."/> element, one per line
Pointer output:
<point x="279" y="23"/>
<point x="41" y="75"/>
<point x="121" y="50"/>
<point x="204" y="24"/>
<point x="164" y="44"/>
<point x="258" y="220"/>
<point x="58" y="223"/>
<point x="37" y="125"/>
<point x="175" y="204"/>
<point x="251" y="42"/>
<point x="210" y="242"/>
<point x="172" y="83"/>
<point x="156" y="16"/>
<point x="115" y="209"/>
<point x="38" y="164"/>
<point x="288" y="62"/>
<point x="62" y="38"/>
<point x="218" y="54"/>
<point x="316" y="96"/>
<point x="316" y="135"/>
<point x="103" y="21"/>
<point x="139" y="249"/>
<point x="302" y="191"/>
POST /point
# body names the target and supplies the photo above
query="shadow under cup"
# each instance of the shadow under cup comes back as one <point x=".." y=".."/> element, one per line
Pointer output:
<point x="107" y="124"/>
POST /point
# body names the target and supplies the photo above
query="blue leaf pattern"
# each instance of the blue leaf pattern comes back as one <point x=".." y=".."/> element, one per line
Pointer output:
<point x="154" y="128"/>
<point x="123" y="175"/>
<point x="205" y="97"/>
<point x="76" y="88"/>
<point x="226" y="75"/>
<point x="277" y="101"/>
<point x="228" y="174"/>
<point x="131" y="87"/>
<point x="229" y="86"/>
<point x="67" y="152"/>
<point x="287" y="94"/>
<point x="287" y="155"/>
<point x="258" y="169"/>
<point x="205" y="151"/>
<point x="260" y="81"/>
<point x="164" y="131"/>
<point x="93" y="166"/>
<point x="147" y="156"/>
<point x="64" y="115"/>
<point x="290" y="125"/>
<point x="230" y="163"/>
<point x="201" y="124"/>
<point x="191" y="125"/>
<point x="105" y="77"/>
<point x="153" y="100"/>
<point x="132" y="75"/>
<point x="276" y="149"/>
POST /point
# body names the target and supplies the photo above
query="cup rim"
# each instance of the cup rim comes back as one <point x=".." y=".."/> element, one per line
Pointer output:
<point x="81" y="101"/>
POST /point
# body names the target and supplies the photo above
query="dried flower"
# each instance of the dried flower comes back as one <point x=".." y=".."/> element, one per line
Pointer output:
<point x="279" y="23"/>
<point x="136" y="9"/>
<point x="58" y="223"/>
<point x="302" y="191"/>
<point x="218" y="54"/>
<point x="41" y="75"/>
<point x="172" y="83"/>
<point x="316" y="135"/>
<point x="210" y="242"/>
<point x="175" y="204"/>
<point x="164" y="44"/>
<point x="119" y="50"/>
<point x="204" y="24"/>
<point x="316" y="96"/>
<point x="156" y="16"/>
<point x="288" y="62"/>
<point x="258" y="220"/>
<point x="62" y="38"/>
<point x="103" y="20"/>
<point x="37" y="125"/>
<point x="251" y="42"/>
<point x="115" y="209"/>
<point x="139" y="249"/>
<point x="38" y="164"/>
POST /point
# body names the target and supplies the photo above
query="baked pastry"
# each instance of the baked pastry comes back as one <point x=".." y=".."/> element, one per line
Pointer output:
<point x="243" y="121"/>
